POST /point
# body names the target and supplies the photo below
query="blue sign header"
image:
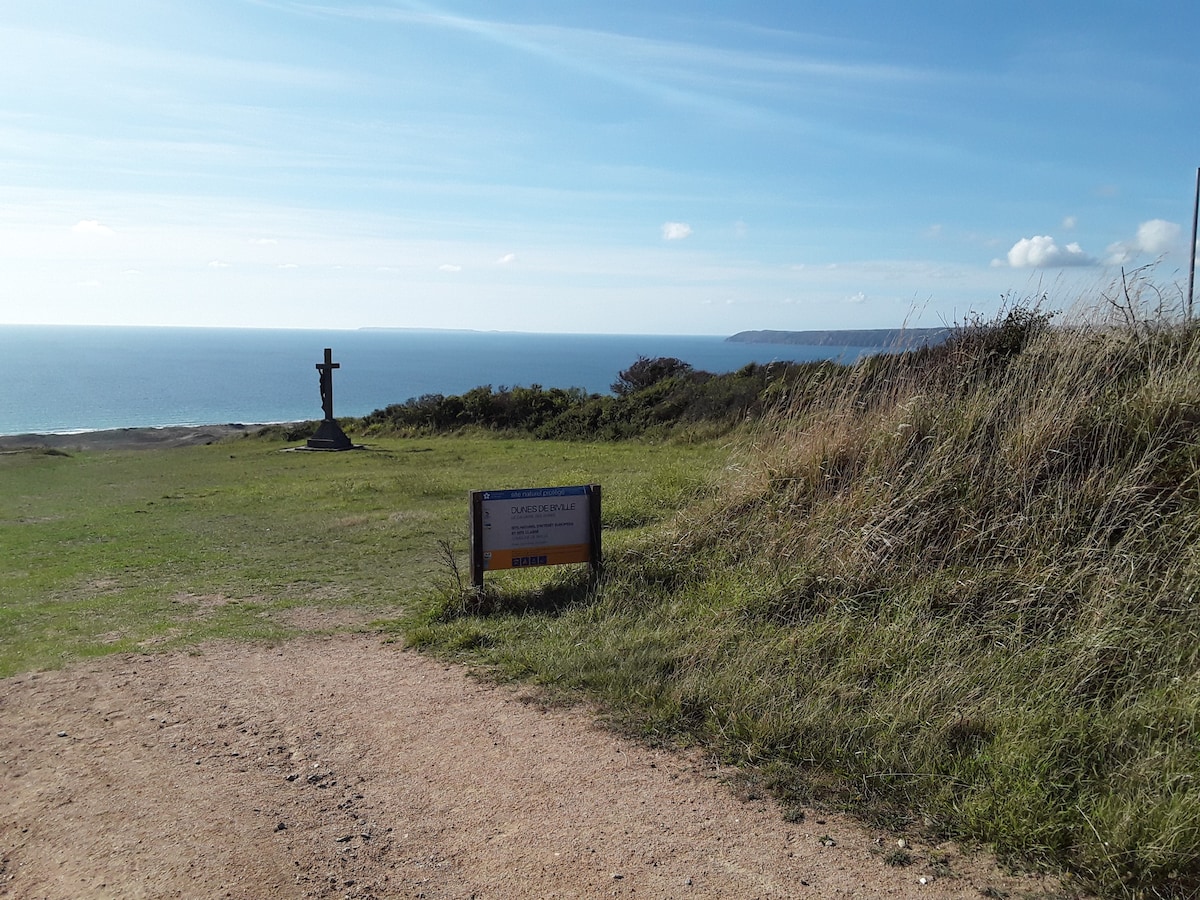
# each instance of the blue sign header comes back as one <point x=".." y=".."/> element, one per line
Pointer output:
<point x="536" y="493"/>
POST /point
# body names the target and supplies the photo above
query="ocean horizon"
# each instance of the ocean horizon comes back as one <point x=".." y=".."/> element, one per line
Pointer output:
<point x="63" y="379"/>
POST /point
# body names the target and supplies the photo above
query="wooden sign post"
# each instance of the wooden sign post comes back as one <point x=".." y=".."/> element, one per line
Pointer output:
<point x="534" y="527"/>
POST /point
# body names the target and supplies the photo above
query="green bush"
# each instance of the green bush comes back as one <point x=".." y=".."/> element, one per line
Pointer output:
<point x="654" y="397"/>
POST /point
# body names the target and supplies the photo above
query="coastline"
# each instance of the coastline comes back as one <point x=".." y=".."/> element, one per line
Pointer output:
<point x="143" y="438"/>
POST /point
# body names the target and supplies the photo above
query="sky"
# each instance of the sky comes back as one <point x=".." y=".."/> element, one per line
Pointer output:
<point x="679" y="167"/>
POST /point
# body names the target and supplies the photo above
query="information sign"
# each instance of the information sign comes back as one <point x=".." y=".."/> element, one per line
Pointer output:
<point x="515" y="529"/>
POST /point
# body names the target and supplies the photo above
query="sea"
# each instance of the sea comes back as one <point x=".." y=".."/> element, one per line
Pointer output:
<point x="70" y="379"/>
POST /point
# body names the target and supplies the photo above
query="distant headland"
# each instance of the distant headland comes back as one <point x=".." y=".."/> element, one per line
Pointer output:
<point x="858" y="337"/>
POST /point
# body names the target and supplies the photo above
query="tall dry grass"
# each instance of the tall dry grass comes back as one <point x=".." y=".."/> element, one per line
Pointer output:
<point x="964" y="580"/>
<point x="955" y="588"/>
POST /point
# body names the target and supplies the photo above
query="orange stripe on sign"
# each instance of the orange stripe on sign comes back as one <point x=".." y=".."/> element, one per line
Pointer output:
<point x="539" y="556"/>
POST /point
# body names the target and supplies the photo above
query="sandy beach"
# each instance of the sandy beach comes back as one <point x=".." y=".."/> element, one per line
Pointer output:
<point x="128" y="438"/>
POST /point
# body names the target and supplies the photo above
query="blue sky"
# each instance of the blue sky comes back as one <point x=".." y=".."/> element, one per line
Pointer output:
<point x="679" y="167"/>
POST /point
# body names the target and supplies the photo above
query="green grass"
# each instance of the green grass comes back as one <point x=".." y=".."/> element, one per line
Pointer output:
<point x="110" y="552"/>
<point x="956" y="589"/>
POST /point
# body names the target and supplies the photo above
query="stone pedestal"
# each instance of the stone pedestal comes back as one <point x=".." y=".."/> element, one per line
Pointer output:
<point x="329" y="436"/>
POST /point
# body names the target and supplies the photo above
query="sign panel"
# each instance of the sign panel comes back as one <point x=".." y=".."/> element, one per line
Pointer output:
<point x="534" y="527"/>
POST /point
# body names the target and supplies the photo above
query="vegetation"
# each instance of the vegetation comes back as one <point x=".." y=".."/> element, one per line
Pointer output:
<point x="955" y="587"/>
<point x="654" y="398"/>
<point x="150" y="550"/>
<point x="952" y="589"/>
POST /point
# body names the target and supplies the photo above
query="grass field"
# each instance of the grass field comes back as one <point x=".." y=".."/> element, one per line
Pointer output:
<point x="110" y="552"/>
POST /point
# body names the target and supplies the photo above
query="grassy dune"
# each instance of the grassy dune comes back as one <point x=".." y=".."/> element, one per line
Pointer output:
<point x="955" y="588"/>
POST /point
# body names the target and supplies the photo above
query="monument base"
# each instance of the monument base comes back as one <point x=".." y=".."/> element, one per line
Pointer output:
<point x="329" y="436"/>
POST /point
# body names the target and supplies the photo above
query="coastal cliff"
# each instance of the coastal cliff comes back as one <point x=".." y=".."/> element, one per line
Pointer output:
<point x="860" y="337"/>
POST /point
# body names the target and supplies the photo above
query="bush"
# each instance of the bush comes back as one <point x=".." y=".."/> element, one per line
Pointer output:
<point x="647" y="372"/>
<point x="672" y="395"/>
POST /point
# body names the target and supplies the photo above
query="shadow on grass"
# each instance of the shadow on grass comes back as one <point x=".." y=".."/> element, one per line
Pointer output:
<point x="551" y="599"/>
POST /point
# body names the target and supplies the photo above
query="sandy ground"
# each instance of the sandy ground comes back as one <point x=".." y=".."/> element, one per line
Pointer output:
<point x="127" y="438"/>
<point x="345" y="766"/>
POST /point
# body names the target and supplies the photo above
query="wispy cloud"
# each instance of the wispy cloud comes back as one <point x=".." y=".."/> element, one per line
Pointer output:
<point x="92" y="227"/>
<point x="128" y="61"/>
<point x="720" y="79"/>
<point x="676" y="231"/>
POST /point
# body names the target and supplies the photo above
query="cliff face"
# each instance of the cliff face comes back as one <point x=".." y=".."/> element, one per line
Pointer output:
<point x="861" y="337"/>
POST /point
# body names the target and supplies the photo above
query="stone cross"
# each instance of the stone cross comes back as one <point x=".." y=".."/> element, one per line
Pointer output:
<point x="326" y="369"/>
<point x="329" y="434"/>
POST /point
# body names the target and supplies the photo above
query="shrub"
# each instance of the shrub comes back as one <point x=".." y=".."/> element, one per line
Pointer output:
<point x="647" y="372"/>
<point x="671" y="395"/>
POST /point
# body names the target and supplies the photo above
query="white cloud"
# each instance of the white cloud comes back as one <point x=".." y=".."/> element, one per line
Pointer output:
<point x="287" y="266"/>
<point x="217" y="264"/>
<point x="1041" y="252"/>
<point x="447" y="267"/>
<point x="506" y="259"/>
<point x="265" y="242"/>
<point x="1069" y="223"/>
<point x="1157" y="235"/>
<point x="860" y="297"/>
<point x="676" y="231"/>
<point x="1154" y="237"/>
<point x="93" y="227"/>
<point x="1120" y="253"/>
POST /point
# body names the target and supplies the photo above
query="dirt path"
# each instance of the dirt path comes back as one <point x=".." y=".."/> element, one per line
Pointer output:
<point x="346" y="767"/>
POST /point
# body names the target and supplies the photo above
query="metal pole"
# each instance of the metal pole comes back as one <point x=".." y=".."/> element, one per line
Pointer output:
<point x="1192" y="254"/>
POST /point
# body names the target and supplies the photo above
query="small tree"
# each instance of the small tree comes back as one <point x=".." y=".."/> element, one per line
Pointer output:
<point x="646" y="372"/>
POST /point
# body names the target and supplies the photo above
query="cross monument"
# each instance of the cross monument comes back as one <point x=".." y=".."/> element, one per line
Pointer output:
<point x="329" y="434"/>
<point x="326" y="369"/>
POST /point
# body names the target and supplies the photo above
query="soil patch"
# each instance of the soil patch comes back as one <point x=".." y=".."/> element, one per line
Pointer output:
<point x="347" y="767"/>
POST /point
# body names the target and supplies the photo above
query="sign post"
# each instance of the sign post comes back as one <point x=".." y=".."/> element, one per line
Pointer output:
<point x="534" y="527"/>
